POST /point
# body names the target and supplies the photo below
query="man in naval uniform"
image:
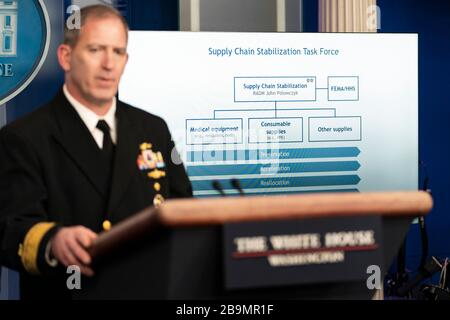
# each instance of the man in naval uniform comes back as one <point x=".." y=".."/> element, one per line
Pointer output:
<point x="80" y="165"/>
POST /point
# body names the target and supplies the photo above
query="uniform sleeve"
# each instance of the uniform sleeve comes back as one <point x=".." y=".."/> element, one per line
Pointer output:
<point x="24" y="226"/>
<point x="180" y="186"/>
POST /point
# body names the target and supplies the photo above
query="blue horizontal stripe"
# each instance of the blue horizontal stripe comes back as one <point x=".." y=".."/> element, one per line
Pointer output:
<point x="261" y="183"/>
<point x="277" y="193"/>
<point x="281" y="154"/>
<point x="270" y="169"/>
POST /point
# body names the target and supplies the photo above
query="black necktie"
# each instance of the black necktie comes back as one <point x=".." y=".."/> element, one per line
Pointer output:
<point x="107" y="154"/>
<point x="107" y="141"/>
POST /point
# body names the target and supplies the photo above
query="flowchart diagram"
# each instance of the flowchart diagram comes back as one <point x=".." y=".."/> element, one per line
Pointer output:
<point x="282" y="112"/>
<point x="258" y="156"/>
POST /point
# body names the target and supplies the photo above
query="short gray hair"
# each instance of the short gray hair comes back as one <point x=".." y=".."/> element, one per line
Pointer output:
<point x="97" y="12"/>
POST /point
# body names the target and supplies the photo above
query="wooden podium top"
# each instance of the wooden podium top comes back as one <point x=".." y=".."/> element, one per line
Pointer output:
<point x="186" y="212"/>
<point x="216" y="211"/>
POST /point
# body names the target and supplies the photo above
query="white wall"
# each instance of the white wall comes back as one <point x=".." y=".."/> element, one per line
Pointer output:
<point x="238" y="15"/>
<point x="241" y="15"/>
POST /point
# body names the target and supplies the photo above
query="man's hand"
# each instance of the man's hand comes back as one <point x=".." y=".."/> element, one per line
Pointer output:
<point x="69" y="247"/>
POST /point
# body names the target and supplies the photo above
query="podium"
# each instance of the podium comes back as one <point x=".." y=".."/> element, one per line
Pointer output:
<point x="179" y="250"/>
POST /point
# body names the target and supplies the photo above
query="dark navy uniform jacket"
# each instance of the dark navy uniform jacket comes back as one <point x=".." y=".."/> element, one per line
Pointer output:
<point x="52" y="175"/>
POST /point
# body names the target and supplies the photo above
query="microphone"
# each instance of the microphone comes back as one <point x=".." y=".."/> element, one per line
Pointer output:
<point x="237" y="185"/>
<point x="218" y="187"/>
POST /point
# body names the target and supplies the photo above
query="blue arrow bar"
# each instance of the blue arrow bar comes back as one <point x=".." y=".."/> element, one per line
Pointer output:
<point x="261" y="183"/>
<point x="281" y="154"/>
<point x="275" y="193"/>
<point x="274" y="168"/>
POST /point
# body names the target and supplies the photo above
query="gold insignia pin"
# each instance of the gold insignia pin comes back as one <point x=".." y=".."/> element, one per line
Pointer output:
<point x="145" y="146"/>
<point x="158" y="200"/>
<point x="107" y="225"/>
<point x="157" y="187"/>
<point x="156" y="174"/>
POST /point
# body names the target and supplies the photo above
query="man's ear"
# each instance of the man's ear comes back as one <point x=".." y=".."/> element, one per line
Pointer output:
<point x="64" y="57"/>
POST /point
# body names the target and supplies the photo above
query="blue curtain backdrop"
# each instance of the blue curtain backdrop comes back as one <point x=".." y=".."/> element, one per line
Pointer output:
<point x="151" y="14"/>
<point x="310" y="16"/>
<point x="431" y="20"/>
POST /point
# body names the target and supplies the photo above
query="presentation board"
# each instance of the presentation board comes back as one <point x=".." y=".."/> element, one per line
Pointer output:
<point x="283" y="112"/>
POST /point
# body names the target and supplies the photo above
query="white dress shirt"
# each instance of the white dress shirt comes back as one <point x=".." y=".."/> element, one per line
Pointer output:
<point x="90" y="118"/>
